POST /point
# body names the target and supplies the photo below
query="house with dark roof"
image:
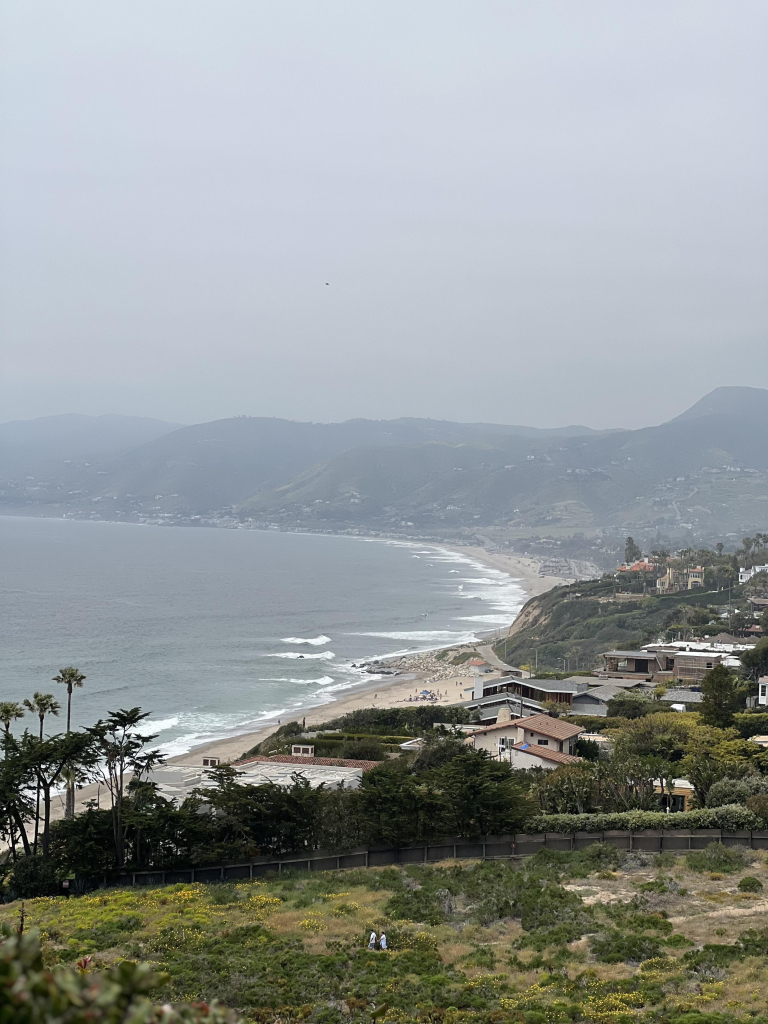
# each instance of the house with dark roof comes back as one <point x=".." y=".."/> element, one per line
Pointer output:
<point x="595" y="700"/>
<point x="533" y="691"/>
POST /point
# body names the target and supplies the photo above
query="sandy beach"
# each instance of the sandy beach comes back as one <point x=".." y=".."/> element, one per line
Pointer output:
<point x="416" y="672"/>
<point x="526" y="570"/>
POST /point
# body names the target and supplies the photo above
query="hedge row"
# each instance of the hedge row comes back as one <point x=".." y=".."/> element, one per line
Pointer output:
<point x="730" y="818"/>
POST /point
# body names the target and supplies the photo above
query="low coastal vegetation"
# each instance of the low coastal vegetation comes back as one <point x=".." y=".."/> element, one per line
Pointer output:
<point x="594" y="936"/>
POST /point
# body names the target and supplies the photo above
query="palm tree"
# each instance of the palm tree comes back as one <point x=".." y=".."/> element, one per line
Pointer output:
<point x="10" y="710"/>
<point x="70" y="677"/>
<point x="42" y="704"/>
<point x="747" y="543"/>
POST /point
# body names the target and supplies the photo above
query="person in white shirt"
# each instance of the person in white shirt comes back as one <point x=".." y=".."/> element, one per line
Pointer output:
<point x="382" y="941"/>
<point x="372" y="941"/>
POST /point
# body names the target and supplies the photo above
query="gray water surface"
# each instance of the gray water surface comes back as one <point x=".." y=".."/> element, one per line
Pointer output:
<point x="215" y="631"/>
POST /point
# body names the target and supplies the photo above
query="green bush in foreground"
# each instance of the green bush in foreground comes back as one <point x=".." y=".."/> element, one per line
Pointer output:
<point x="725" y="859"/>
<point x="750" y="884"/>
<point x="31" y="994"/>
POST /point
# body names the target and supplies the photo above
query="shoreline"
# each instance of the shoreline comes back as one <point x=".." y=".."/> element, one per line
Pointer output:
<point x="420" y="669"/>
<point x="417" y="669"/>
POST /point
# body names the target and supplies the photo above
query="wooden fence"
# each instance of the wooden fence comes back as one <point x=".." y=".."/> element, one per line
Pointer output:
<point x="485" y="848"/>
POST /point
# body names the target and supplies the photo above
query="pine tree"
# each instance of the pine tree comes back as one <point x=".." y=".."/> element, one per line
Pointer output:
<point x="632" y="552"/>
<point x="721" y="697"/>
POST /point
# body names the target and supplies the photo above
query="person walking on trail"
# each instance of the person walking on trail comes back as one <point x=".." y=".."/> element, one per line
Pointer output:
<point x="372" y="941"/>
<point x="382" y="941"/>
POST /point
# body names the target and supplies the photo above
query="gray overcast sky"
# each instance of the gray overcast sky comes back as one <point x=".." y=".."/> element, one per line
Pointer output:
<point x="538" y="212"/>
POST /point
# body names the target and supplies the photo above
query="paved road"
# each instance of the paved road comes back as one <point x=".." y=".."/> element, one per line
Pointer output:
<point x="487" y="652"/>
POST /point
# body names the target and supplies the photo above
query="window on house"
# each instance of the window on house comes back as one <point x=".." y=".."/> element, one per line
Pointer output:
<point x="543" y="743"/>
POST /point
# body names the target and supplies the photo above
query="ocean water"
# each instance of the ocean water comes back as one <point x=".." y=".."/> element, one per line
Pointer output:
<point x="218" y="631"/>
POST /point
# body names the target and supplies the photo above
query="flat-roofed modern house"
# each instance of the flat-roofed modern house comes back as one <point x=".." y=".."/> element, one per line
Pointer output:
<point x="666" y="663"/>
<point x="538" y="691"/>
<point x="630" y="664"/>
<point x="541" y="731"/>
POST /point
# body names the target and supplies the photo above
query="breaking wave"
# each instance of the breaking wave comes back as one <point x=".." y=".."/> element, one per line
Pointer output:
<point x="294" y="655"/>
<point x="315" y="641"/>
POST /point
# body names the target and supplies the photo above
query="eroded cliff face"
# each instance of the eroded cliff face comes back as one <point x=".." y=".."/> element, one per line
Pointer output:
<point x="532" y="614"/>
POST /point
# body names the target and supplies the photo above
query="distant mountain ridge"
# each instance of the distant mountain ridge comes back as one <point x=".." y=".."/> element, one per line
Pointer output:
<point x="26" y="445"/>
<point x="729" y="401"/>
<point x="209" y="465"/>
<point x="715" y="460"/>
<point x="704" y="470"/>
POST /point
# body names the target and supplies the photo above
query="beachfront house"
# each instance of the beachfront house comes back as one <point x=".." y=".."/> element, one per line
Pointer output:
<point x="541" y="732"/>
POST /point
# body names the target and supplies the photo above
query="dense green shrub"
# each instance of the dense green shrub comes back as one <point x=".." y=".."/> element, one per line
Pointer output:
<point x="758" y="805"/>
<point x="725" y="859"/>
<point x="35" y="876"/>
<point x="751" y="723"/>
<point x="364" y="749"/>
<point x="730" y="818"/>
<point x="736" y="791"/>
<point x="629" y="705"/>
<point x="750" y="884"/>
<point x="613" y="947"/>
<point x="728" y="791"/>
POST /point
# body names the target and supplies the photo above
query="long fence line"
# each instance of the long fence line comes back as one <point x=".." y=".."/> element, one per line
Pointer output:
<point x="486" y="848"/>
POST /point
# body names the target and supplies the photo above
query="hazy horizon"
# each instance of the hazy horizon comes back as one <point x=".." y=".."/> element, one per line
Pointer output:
<point x="342" y="419"/>
<point x="538" y="213"/>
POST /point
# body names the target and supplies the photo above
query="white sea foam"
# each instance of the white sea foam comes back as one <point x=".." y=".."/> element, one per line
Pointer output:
<point x="161" y="725"/>
<point x="427" y="635"/>
<point x="499" y="593"/>
<point x="322" y="681"/>
<point x="181" y="744"/>
<point x="315" y="641"/>
<point x="294" y="655"/>
<point x="492" y="619"/>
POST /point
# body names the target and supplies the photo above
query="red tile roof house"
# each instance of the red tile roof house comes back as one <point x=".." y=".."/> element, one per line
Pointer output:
<point x="538" y="741"/>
